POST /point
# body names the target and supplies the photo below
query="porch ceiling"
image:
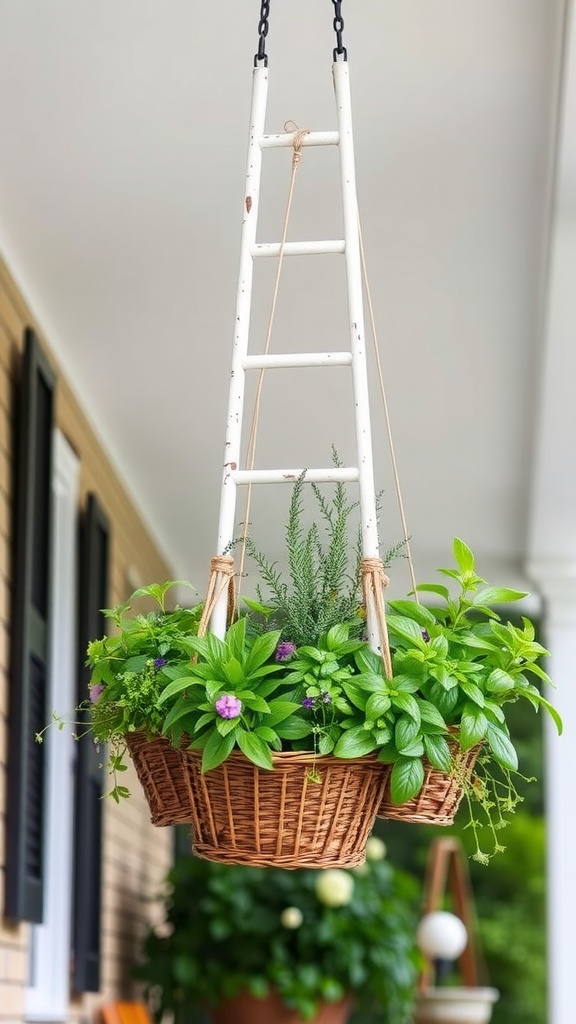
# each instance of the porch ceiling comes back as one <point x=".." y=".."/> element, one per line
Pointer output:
<point x="123" y="129"/>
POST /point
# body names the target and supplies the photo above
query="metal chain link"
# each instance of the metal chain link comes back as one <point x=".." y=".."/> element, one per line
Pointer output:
<point x="339" y="50"/>
<point x="261" y="57"/>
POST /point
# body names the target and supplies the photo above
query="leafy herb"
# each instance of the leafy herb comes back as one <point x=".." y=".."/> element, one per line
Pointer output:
<point x="228" y="697"/>
<point x="128" y="673"/>
<point x="324" y="587"/>
<point x="465" y="664"/>
<point x="311" y="935"/>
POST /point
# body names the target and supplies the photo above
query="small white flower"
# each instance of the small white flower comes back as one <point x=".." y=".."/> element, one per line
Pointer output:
<point x="335" y="887"/>
<point x="375" y="849"/>
<point x="291" y="917"/>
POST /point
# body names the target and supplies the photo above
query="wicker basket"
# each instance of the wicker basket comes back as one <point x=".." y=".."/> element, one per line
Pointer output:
<point x="441" y="793"/>
<point x="161" y="774"/>
<point x="246" y="815"/>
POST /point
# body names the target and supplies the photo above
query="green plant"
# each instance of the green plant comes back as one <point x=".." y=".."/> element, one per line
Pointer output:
<point x="229" y="696"/>
<point x="297" y="674"/>
<point x="309" y="698"/>
<point x="294" y="674"/>
<point x="324" y="588"/>
<point x="510" y="898"/>
<point x="465" y="662"/>
<point x="127" y="672"/>
<point x="311" y="935"/>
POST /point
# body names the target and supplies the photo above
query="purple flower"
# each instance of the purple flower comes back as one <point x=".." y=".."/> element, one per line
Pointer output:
<point x="308" y="702"/>
<point x="326" y="698"/>
<point x="228" y="706"/>
<point x="285" y="650"/>
<point x="159" y="663"/>
<point x="96" y="691"/>
<point x="426" y="636"/>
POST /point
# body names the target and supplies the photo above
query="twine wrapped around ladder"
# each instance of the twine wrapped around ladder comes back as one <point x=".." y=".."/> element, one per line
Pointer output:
<point x="221" y="579"/>
<point x="374" y="582"/>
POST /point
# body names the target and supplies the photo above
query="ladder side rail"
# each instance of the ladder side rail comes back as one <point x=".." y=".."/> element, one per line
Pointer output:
<point x="233" y="437"/>
<point x="369" y="526"/>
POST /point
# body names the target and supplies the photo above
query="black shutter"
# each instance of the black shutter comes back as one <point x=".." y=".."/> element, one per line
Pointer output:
<point x="93" y="596"/>
<point x="30" y="635"/>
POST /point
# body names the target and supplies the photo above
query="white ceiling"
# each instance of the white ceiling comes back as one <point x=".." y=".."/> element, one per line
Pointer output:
<point x="123" y="131"/>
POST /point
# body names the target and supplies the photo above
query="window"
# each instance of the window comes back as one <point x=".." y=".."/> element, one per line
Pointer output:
<point x="48" y="993"/>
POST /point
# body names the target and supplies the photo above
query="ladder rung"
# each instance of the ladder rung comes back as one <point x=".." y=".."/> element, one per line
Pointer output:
<point x="344" y="474"/>
<point x="311" y="139"/>
<point x="299" y="248"/>
<point x="278" y="361"/>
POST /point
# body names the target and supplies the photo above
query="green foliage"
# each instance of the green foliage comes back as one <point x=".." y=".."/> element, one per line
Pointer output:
<point x="324" y="587"/>
<point x="297" y="674"/>
<point x="324" y="590"/>
<point x="510" y="898"/>
<point x="228" y="697"/>
<point x="513" y="923"/>
<point x="129" y="672"/>
<point x="462" y="660"/>
<point x="229" y="928"/>
<point x="315" y="700"/>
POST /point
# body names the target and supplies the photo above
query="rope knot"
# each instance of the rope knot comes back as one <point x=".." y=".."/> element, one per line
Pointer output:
<point x="374" y="566"/>
<point x="221" y="579"/>
<point x="298" y="140"/>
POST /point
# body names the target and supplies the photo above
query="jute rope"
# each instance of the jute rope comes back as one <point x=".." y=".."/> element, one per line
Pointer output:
<point x="395" y="472"/>
<point x="374" y="583"/>
<point x="221" y="579"/>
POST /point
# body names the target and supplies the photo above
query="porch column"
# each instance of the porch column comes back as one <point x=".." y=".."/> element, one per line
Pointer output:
<point x="552" y="542"/>
<point x="557" y="584"/>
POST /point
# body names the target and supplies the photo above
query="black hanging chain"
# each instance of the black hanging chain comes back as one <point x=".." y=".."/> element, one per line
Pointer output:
<point x="261" y="57"/>
<point x="339" y="50"/>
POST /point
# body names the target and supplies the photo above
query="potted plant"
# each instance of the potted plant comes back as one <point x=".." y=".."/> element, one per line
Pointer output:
<point x="126" y="680"/>
<point x="283" y="739"/>
<point x="225" y="733"/>
<point x="465" y="662"/>
<point x="265" y="945"/>
<point x="438" y="724"/>
<point x="279" y="764"/>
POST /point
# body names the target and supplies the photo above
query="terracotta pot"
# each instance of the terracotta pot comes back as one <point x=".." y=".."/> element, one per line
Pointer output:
<point x="455" y="1005"/>
<point x="246" y="1009"/>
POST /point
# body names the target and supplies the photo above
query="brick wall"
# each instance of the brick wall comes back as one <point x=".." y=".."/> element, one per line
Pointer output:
<point x="136" y="855"/>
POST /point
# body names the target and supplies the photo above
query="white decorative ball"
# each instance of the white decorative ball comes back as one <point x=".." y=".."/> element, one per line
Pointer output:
<point x="334" y="887"/>
<point x="291" y="917"/>
<point x="375" y="849"/>
<point x="441" y="936"/>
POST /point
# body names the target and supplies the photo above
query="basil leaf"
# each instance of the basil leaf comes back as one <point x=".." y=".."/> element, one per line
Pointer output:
<point x="501" y="747"/>
<point x="407" y="779"/>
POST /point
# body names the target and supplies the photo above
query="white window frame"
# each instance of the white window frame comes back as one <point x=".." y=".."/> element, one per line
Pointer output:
<point x="47" y="995"/>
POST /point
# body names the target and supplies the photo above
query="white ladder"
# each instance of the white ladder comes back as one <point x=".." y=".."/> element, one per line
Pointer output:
<point x="349" y="246"/>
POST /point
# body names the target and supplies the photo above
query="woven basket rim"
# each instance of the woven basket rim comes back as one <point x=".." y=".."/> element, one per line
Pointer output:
<point x="290" y="756"/>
